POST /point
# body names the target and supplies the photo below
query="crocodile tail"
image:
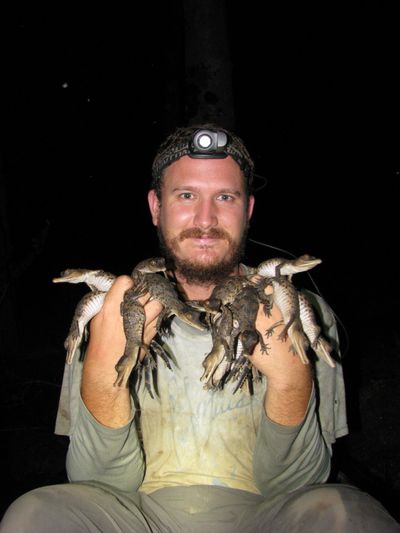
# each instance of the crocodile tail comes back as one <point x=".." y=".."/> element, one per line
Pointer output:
<point x="212" y="361"/>
<point x="299" y="341"/>
<point x="323" y="349"/>
<point x="71" y="344"/>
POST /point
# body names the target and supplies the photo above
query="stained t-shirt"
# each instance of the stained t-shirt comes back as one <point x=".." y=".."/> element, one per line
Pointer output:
<point x="194" y="436"/>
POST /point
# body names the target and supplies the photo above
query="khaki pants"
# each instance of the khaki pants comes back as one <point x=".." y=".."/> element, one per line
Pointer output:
<point x="91" y="507"/>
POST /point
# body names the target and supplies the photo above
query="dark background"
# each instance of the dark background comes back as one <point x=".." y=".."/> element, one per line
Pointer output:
<point x="87" y="95"/>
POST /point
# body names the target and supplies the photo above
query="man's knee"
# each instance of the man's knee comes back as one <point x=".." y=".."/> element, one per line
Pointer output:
<point x="88" y="506"/>
<point x="329" y="507"/>
<point x="34" y="511"/>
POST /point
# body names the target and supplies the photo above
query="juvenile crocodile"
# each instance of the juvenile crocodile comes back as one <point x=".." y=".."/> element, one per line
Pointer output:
<point x="245" y="310"/>
<point x="134" y="318"/>
<point x="286" y="298"/>
<point x="233" y="307"/>
<point x="234" y="324"/>
<point x="313" y="332"/>
<point x="162" y="290"/>
<point x="221" y="320"/>
<point x="100" y="282"/>
<point x="278" y="273"/>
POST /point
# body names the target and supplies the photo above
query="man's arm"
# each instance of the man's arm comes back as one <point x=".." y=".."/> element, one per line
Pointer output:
<point x="111" y="405"/>
<point x="289" y="380"/>
<point x="104" y="444"/>
<point x="290" y="451"/>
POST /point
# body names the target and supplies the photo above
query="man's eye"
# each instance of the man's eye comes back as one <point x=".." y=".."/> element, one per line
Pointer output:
<point x="225" y="197"/>
<point x="186" y="195"/>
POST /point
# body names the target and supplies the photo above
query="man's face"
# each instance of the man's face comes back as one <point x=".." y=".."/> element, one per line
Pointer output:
<point x="202" y="217"/>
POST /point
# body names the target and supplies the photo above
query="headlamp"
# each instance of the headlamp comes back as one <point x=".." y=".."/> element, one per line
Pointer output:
<point x="208" y="144"/>
<point x="202" y="141"/>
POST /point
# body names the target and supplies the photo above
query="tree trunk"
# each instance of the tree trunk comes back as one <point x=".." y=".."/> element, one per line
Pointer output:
<point x="208" y="94"/>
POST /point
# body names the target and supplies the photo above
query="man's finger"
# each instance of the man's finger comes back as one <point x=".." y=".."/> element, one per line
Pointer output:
<point x="120" y="285"/>
<point x="115" y="295"/>
<point x="152" y="309"/>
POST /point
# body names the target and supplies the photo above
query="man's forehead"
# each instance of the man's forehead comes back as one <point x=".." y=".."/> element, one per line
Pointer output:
<point x="189" y="166"/>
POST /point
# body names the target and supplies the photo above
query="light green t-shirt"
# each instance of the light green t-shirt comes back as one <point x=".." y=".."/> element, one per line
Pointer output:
<point x="193" y="436"/>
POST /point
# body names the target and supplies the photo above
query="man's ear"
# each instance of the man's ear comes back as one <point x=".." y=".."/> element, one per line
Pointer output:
<point x="250" y="206"/>
<point x="154" y="205"/>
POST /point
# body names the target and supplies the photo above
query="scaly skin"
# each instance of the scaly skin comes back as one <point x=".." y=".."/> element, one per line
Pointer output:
<point x="285" y="297"/>
<point x="225" y="293"/>
<point x="220" y="357"/>
<point x="221" y="321"/>
<point x="150" y="266"/>
<point x="134" y="319"/>
<point x="278" y="266"/>
<point x="161" y="289"/>
<point x="147" y="365"/>
<point x="278" y="272"/>
<point x="99" y="281"/>
<point x="86" y="309"/>
<point x="95" y="279"/>
<point x="244" y="310"/>
<point x="230" y="311"/>
<point x="234" y="325"/>
<point x="313" y="332"/>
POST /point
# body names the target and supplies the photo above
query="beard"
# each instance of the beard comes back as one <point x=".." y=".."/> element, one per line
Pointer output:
<point x="203" y="273"/>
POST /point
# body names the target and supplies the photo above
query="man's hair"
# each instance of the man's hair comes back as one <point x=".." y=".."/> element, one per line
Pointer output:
<point x="178" y="143"/>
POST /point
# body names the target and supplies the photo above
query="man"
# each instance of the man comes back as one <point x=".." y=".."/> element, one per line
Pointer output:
<point x="193" y="458"/>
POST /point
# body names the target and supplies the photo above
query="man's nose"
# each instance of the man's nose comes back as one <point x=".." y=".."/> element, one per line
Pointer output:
<point x="206" y="214"/>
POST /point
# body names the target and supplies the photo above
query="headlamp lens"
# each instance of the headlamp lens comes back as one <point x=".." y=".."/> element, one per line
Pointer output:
<point x="204" y="141"/>
<point x="209" y="143"/>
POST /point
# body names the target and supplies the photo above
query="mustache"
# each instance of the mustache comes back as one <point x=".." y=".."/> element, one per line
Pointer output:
<point x="197" y="233"/>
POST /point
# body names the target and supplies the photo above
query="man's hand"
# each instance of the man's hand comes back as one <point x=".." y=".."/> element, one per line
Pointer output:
<point x="289" y="381"/>
<point x="108" y="404"/>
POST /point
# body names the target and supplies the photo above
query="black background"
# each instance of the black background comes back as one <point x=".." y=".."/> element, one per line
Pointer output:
<point x="88" y="92"/>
